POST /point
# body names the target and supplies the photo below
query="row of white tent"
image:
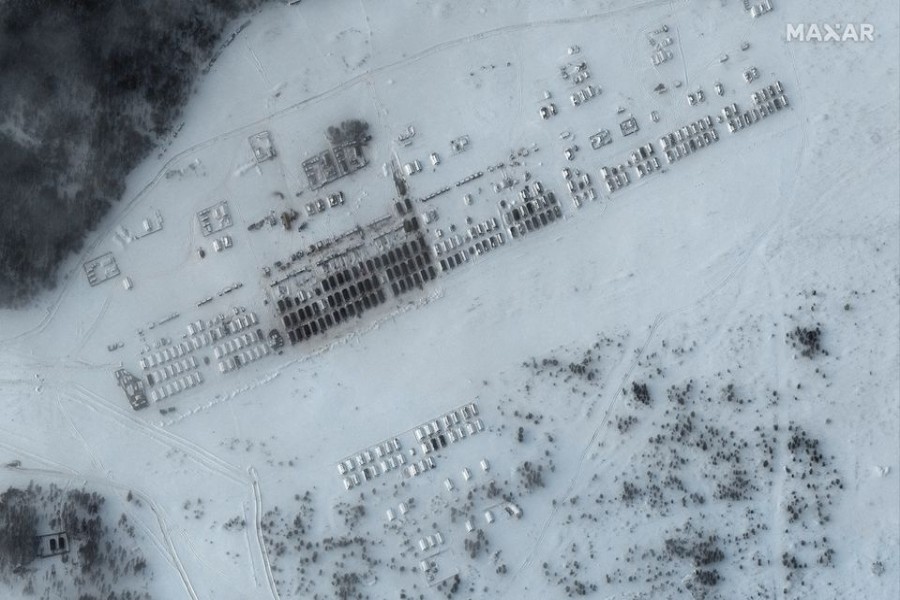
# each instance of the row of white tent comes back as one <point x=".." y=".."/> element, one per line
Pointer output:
<point x="241" y="322"/>
<point x="185" y="382"/>
<point x="235" y="344"/>
<point x="174" y="368"/>
<point x="239" y="359"/>
<point x="166" y="354"/>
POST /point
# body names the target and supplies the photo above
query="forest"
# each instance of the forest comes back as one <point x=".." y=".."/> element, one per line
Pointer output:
<point x="87" y="89"/>
<point x="102" y="561"/>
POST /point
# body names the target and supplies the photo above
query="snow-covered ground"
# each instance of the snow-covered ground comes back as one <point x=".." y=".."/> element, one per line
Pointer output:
<point x="752" y="287"/>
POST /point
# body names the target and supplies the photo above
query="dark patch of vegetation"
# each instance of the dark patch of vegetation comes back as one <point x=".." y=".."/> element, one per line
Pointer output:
<point x="352" y="515"/>
<point x="345" y="585"/>
<point x="623" y="424"/>
<point x="450" y="585"/>
<point x="808" y="340"/>
<point x="234" y="523"/>
<point x="641" y="393"/>
<point x="18" y="528"/>
<point x="473" y="545"/>
<point x="630" y="493"/>
<point x="353" y="131"/>
<point x="531" y="476"/>
<point x="706" y="577"/>
<point x="701" y="549"/>
<point x="87" y="89"/>
<point x="569" y="578"/>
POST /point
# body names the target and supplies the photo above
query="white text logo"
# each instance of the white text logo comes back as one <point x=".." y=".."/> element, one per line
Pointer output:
<point x="826" y="32"/>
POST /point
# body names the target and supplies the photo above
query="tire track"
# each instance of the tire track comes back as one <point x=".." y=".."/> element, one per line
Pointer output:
<point x="201" y="456"/>
<point x="591" y="444"/>
<point x="714" y="289"/>
<point x="95" y="460"/>
<point x="257" y="497"/>
<point x="95" y="324"/>
<point x="249" y="549"/>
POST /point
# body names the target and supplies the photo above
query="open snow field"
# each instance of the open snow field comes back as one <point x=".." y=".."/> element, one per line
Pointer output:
<point x="685" y="388"/>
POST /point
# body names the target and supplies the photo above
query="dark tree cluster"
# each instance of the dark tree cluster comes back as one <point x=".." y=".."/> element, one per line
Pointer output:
<point x="569" y="578"/>
<point x="531" y="476"/>
<point x="641" y="393"/>
<point x="450" y="585"/>
<point x="18" y="528"/>
<point x="352" y="131"/>
<point x="345" y="585"/>
<point x="102" y="558"/>
<point x="702" y="549"/>
<point x="87" y="89"/>
<point x="474" y="545"/>
<point x="623" y="424"/>
<point x="808" y="340"/>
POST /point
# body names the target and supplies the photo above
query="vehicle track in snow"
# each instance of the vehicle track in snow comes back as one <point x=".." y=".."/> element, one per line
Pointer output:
<point x="203" y="457"/>
<point x="257" y="501"/>
<point x="595" y="437"/>
<point x="739" y="263"/>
